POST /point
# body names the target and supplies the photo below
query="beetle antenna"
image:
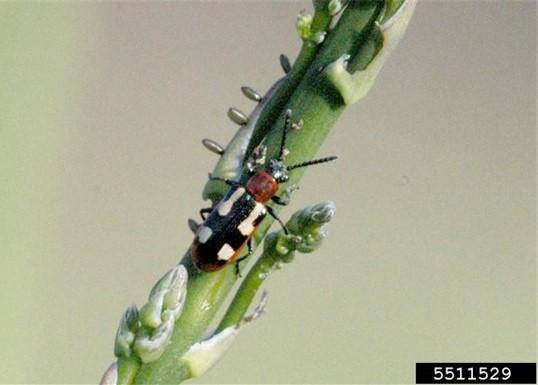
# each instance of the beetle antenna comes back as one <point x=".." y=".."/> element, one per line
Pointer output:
<point x="311" y="162"/>
<point x="287" y="125"/>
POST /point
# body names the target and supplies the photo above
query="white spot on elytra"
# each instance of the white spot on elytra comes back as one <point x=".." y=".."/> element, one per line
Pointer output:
<point x="247" y="226"/>
<point x="224" y="207"/>
<point x="226" y="252"/>
<point x="204" y="233"/>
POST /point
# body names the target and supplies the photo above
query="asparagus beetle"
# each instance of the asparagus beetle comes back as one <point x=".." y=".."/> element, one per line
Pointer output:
<point x="232" y="222"/>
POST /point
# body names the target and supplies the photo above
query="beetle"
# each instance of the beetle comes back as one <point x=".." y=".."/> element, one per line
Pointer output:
<point x="232" y="222"/>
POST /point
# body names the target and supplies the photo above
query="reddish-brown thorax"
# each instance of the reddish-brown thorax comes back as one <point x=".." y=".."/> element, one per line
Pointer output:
<point x="262" y="186"/>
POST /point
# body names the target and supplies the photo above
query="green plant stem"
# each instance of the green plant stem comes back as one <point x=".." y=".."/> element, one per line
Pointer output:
<point x="248" y="289"/>
<point x="127" y="369"/>
<point x="320" y="22"/>
<point x="206" y="292"/>
<point x="312" y="99"/>
<point x="315" y="100"/>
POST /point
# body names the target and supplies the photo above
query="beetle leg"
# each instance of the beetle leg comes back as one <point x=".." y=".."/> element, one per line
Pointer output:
<point x="280" y="201"/>
<point x="284" y="199"/>
<point x="205" y="211"/>
<point x="249" y="251"/>
<point x="273" y="214"/>
<point x="229" y="182"/>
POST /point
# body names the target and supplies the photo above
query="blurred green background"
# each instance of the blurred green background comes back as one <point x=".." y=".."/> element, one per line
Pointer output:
<point x="431" y="255"/>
